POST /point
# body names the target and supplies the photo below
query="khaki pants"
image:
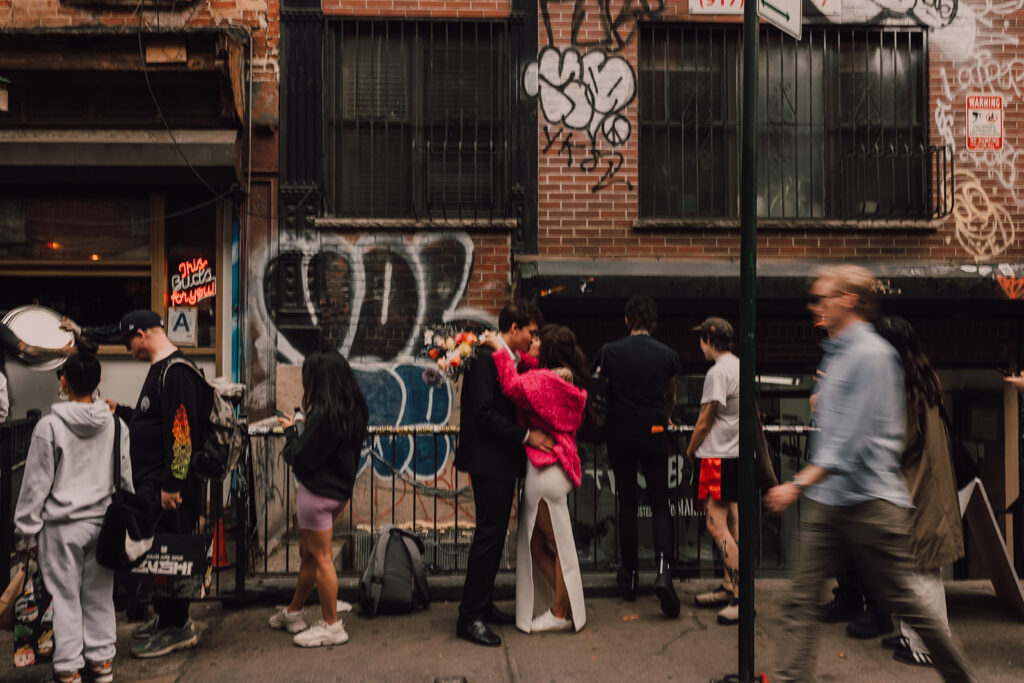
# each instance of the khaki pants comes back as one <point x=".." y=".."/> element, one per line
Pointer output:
<point x="876" y="534"/>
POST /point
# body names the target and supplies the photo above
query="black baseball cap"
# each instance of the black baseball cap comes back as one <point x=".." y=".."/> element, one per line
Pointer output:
<point x="715" y="328"/>
<point x="140" y="319"/>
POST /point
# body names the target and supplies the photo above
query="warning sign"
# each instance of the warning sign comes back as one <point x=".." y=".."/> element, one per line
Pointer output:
<point x="984" y="122"/>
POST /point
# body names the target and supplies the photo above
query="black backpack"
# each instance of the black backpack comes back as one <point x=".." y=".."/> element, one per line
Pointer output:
<point x="222" y="438"/>
<point x="594" y="429"/>
<point x="394" y="582"/>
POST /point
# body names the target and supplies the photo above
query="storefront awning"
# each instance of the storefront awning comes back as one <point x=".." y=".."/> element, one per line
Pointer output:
<point x="28" y="155"/>
<point x="554" y="280"/>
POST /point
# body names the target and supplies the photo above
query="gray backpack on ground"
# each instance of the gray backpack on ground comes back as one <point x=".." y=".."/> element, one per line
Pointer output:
<point x="394" y="582"/>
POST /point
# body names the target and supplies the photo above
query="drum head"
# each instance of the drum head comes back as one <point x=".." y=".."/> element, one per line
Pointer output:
<point x="39" y="326"/>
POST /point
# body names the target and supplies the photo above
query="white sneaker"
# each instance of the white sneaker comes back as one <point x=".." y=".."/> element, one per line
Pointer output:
<point x="549" y="622"/>
<point x="320" y="634"/>
<point x="343" y="606"/>
<point x="287" y="621"/>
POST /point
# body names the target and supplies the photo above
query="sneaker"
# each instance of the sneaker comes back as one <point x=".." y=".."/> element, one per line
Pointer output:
<point x="627" y="580"/>
<point x="284" y="620"/>
<point x="147" y="630"/>
<point x="167" y="640"/>
<point x="549" y="622"/>
<point x="908" y="656"/>
<point x="99" y="672"/>
<point x="343" y="606"/>
<point x="730" y="614"/>
<point x="896" y="643"/>
<point x="719" y="596"/>
<point x="63" y="677"/>
<point x="666" y="590"/>
<point x="320" y="634"/>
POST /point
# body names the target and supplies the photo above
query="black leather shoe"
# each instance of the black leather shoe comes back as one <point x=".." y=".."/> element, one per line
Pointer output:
<point x="666" y="590"/>
<point x="627" y="580"/>
<point x="476" y="632"/>
<point x="869" y="625"/>
<point x="493" y="615"/>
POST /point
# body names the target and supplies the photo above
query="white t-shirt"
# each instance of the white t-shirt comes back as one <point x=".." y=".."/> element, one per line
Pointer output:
<point x="722" y="386"/>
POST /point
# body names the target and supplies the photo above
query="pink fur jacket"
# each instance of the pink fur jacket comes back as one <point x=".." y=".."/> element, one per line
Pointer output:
<point x="548" y="402"/>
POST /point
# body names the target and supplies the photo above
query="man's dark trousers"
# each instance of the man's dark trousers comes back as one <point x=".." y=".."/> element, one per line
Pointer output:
<point x="493" y="507"/>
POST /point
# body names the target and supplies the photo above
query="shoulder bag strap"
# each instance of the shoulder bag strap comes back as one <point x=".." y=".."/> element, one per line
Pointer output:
<point x="117" y="453"/>
<point x="413" y="546"/>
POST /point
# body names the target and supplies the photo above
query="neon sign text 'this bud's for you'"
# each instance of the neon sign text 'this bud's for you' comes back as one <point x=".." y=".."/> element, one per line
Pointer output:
<point x="193" y="283"/>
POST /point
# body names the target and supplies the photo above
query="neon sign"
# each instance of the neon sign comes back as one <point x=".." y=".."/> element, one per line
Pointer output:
<point x="193" y="283"/>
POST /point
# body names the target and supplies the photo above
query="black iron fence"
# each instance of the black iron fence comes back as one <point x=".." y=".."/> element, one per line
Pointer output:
<point x="407" y="477"/>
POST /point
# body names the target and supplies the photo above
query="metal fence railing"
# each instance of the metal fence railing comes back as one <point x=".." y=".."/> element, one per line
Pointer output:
<point x="15" y="437"/>
<point x="406" y="477"/>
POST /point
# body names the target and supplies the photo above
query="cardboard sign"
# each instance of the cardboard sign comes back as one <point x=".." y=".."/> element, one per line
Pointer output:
<point x="181" y="325"/>
<point x="984" y="122"/>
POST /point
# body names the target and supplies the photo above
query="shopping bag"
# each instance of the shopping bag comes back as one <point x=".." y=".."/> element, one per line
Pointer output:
<point x="33" y="620"/>
<point x="10" y="596"/>
<point x="177" y="566"/>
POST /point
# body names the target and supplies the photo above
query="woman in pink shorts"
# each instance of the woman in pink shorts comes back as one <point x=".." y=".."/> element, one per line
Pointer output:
<point x="323" y="455"/>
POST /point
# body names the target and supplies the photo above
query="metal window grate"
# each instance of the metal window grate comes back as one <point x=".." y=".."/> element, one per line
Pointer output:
<point x="418" y="118"/>
<point x="842" y="116"/>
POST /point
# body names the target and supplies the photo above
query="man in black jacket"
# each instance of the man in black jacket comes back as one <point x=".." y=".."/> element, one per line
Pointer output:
<point x="165" y="427"/>
<point x="491" y="451"/>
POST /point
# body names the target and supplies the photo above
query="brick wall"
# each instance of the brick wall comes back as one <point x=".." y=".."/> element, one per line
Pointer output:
<point x="584" y="213"/>
<point x="463" y="9"/>
<point x="261" y="17"/>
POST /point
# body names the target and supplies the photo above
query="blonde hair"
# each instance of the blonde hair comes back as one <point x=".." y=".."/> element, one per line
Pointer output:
<point x="857" y="280"/>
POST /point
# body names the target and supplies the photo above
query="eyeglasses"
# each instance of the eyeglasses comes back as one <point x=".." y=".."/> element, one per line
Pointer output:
<point x="818" y="298"/>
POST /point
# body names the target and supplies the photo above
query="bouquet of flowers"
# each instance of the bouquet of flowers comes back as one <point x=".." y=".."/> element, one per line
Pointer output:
<point x="452" y="350"/>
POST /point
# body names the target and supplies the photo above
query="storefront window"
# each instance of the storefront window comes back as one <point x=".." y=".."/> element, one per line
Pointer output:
<point x="190" y="240"/>
<point x="86" y="229"/>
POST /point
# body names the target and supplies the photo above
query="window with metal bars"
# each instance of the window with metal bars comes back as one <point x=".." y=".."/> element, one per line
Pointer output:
<point x="418" y="119"/>
<point x="842" y="124"/>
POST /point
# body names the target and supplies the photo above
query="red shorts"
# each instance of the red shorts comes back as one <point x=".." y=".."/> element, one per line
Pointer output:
<point x="718" y="479"/>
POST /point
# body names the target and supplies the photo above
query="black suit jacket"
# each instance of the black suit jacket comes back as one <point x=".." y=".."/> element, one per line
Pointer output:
<point x="490" y="439"/>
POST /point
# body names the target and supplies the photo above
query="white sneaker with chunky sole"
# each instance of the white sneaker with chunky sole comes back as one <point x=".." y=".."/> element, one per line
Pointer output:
<point x="320" y="634"/>
<point x="283" y="620"/>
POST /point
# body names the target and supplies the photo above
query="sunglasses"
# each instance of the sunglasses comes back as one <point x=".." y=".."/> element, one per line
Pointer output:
<point x="818" y="298"/>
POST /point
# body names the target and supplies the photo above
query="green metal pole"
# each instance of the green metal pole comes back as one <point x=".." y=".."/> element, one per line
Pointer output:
<point x="747" y="347"/>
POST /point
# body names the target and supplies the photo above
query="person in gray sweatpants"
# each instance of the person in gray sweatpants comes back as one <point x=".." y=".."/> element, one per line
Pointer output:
<point x="69" y="479"/>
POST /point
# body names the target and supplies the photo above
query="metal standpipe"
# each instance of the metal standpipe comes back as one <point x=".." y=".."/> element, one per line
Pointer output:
<point x="748" y="497"/>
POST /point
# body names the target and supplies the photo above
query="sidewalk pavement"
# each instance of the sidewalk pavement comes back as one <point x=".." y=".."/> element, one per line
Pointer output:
<point x="621" y="642"/>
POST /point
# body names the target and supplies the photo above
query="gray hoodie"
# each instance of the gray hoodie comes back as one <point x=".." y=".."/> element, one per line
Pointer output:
<point x="69" y="471"/>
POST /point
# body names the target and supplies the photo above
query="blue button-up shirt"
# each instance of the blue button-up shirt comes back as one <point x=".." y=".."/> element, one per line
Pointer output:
<point x="861" y="412"/>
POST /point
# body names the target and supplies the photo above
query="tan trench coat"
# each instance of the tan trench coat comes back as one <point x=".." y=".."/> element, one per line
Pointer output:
<point x="936" y="530"/>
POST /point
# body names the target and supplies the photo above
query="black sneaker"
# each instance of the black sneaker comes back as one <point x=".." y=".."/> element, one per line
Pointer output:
<point x="869" y="625"/>
<point x="896" y="643"/>
<point x="908" y="656"/>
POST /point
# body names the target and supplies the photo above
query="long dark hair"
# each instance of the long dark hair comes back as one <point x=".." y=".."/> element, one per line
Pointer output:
<point x="558" y="349"/>
<point x="923" y="386"/>
<point x="82" y="368"/>
<point x="330" y="390"/>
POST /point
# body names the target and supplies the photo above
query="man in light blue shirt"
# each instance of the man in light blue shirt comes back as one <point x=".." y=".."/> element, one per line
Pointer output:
<point x="857" y="501"/>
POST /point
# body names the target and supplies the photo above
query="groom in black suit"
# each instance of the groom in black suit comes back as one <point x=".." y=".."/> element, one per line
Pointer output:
<point x="491" y="451"/>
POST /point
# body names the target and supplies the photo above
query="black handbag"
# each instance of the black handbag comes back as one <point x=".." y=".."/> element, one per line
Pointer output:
<point x="127" y="531"/>
<point x="598" y="397"/>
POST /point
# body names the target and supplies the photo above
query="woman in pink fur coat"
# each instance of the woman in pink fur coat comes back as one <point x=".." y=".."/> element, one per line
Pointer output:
<point x="549" y="587"/>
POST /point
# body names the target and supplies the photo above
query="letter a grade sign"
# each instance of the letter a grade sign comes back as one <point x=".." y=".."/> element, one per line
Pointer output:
<point x="181" y="325"/>
<point x="786" y="15"/>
